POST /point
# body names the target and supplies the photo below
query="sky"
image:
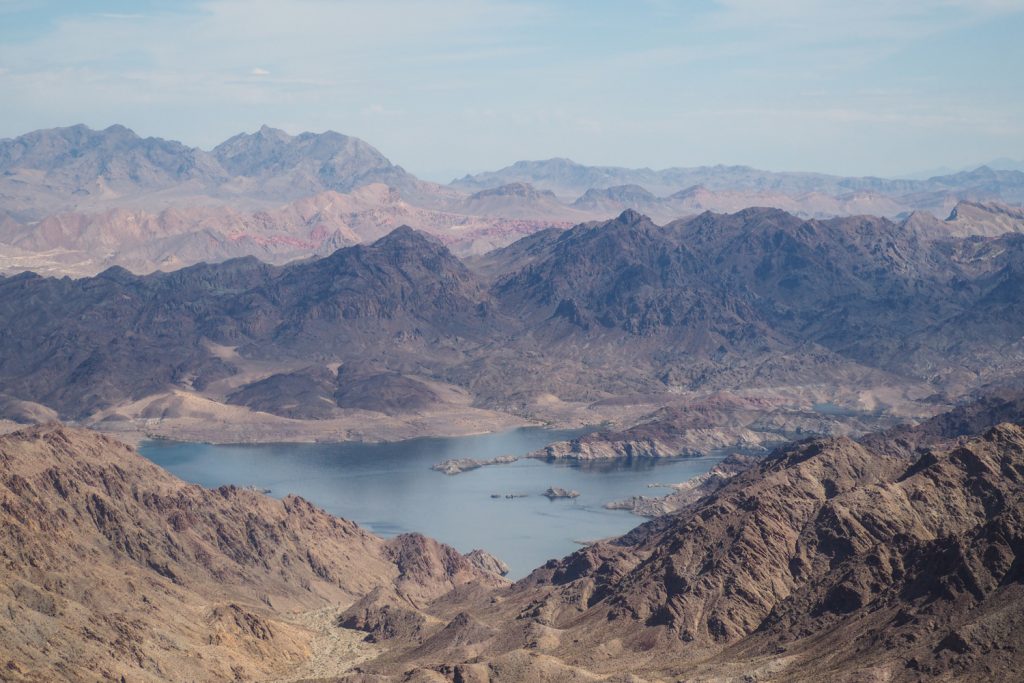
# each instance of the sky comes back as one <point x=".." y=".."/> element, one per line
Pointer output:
<point x="448" y="87"/>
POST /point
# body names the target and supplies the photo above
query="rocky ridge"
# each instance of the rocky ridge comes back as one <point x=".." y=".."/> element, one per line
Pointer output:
<point x="113" y="569"/>
<point x="569" y="179"/>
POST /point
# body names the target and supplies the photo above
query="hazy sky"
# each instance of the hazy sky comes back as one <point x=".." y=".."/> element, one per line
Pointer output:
<point x="444" y="87"/>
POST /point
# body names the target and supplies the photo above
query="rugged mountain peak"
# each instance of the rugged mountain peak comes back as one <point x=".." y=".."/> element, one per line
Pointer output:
<point x="988" y="219"/>
<point x="925" y="225"/>
<point x="955" y="212"/>
<point x="552" y="163"/>
<point x="616" y="197"/>
<point x="754" y="213"/>
<point x="406" y="237"/>
<point x="983" y="178"/>
<point x="266" y="131"/>
<point x="309" y="162"/>
<point x="118" y="274"/>
<point x="968" y="207"/>
<point x="121" y="131"/>
<point x="630" y="218"/>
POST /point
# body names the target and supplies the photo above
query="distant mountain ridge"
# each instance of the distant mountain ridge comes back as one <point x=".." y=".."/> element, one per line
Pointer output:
<point x="66" y="167"/>
<point x="294" y="166"/>
<point x="78" y="154"/>
<point x="569" y="179"/>
<point x="75" y="200"/>
<point x="85" y="243"/>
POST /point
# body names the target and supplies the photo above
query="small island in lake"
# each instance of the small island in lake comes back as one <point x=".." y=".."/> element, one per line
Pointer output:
<point x="460" y="465"/>
<point x="558" y="492"/>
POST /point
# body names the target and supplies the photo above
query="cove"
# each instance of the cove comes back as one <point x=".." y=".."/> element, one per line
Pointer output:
<point x="389" y="488"/>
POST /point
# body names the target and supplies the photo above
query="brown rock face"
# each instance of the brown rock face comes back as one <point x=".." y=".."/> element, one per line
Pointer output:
<point x="382" y="616"/>
<point x="111" y="567"/>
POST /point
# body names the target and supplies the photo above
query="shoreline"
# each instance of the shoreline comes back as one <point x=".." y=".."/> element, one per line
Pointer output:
<point x="310" y="432"/>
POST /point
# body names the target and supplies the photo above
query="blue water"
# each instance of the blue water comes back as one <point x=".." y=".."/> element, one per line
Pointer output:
<point x="389" y="488"/>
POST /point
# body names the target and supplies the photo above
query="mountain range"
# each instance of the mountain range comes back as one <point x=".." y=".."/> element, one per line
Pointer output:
<point x="607" y="320"/>
<point x="76" y="201"/>
<point x="76" y="166"/>
<point x="567" y="178"/>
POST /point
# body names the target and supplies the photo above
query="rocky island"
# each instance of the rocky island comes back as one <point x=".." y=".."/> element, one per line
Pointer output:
<point x="455" y="466"/>
<point x="558" y="492"/>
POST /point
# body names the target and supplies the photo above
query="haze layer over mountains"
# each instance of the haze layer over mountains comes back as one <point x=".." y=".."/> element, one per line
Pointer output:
<point x="75" y="200"/>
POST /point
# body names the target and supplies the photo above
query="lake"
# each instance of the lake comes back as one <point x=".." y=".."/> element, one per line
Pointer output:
<point x="389" y="488"/>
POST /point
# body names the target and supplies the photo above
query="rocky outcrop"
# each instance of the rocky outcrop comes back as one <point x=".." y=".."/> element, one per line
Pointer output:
<point x="428" y="569"/>
<point x="487" y="562"/>
<point x="382" y="615"/>
<point x="988" y="219"/>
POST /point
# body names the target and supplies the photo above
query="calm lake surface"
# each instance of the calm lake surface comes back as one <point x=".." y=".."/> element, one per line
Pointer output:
<point x="390" y="489"/>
